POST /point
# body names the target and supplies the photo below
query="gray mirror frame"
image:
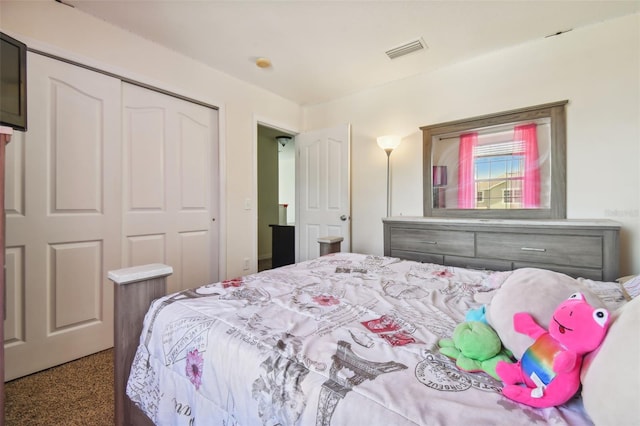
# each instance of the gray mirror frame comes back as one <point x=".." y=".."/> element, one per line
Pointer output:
<point x="558" y="205"/>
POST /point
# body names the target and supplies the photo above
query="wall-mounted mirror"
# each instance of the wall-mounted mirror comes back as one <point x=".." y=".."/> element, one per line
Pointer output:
<point x="505" y="165"/>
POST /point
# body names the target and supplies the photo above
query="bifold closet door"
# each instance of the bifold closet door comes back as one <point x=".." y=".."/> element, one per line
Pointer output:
<point x="108" y="175"/>
<point x="170" y="186"/>
<point x="64" y="214"/>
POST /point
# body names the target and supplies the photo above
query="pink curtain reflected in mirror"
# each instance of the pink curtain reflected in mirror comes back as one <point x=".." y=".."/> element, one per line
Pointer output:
<point x="527" y="133"/>
<point x="466" y="175"/>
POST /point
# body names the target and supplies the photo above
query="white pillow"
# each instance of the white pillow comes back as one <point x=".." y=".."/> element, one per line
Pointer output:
<point x="631" y="286"/>
<point x="611" y="376"/>
<point x="537" y="291"/>
<point x="611" y="293"/>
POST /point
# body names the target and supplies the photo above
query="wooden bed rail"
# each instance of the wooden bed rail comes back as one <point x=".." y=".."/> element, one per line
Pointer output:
<point x="131" y="303"/>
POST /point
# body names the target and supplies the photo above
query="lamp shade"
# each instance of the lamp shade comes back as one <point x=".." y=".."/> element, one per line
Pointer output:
<point x="389" y="142"/>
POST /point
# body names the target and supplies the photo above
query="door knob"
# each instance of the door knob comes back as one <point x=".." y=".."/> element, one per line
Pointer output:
<point x="343" y="217"/>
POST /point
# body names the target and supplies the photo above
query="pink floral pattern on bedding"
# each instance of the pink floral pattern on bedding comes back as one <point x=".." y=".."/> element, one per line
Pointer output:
<point x="444" y="273"/>
<point x="194" y="367"/>
<point x="326" y="299"/>
<point x="340" y="340"/>
<point x="234" y="282"/>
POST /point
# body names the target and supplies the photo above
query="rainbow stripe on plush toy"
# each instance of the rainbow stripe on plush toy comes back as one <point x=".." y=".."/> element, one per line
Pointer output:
<point x="538" y="358"/>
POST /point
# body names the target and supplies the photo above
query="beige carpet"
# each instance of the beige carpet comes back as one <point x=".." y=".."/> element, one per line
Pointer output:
<point x="77" y="393"/>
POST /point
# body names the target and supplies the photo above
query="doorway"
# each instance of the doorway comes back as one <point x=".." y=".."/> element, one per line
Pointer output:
<point x="276" y="201"/>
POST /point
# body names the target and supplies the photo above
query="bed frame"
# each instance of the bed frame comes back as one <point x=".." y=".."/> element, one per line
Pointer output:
<point x="135" y="289"/>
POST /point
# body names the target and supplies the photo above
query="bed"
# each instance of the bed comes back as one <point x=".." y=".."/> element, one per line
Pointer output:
<point x="345" y="339"/>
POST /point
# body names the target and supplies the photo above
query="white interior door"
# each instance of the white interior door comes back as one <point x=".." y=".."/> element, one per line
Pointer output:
<point x="63" y="210"/>
<point x="170" y="191"/>
<point x="324" y="206"/>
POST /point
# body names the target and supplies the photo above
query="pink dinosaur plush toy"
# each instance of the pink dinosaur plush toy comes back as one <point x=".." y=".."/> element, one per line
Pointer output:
<point x="550" y="367"/>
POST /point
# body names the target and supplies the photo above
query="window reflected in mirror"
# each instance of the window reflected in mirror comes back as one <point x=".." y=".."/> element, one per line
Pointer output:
<point x="502" y="165"/>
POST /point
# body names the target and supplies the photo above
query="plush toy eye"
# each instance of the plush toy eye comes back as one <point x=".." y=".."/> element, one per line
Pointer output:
<point x="576" y="296"/>
<point x="601" y="316"/>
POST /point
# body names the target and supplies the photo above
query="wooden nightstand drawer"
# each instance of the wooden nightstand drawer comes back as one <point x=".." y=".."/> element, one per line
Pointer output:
<point x="570" y="250"/>
<point x="433" y="241"/>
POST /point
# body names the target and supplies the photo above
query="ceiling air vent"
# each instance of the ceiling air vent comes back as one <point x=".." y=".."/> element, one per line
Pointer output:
<point x="405" y="49"/>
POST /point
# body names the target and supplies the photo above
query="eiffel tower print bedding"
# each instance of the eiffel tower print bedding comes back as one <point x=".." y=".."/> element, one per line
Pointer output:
<point x="345" y="339"/>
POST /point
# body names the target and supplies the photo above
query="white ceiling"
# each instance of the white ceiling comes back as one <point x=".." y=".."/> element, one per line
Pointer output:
<point x="323" y="50"/>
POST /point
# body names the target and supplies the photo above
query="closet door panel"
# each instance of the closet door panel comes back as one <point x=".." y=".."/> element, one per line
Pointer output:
<point x="86" y="194"/>
<point x="146" y="152"/>
<point x="14" y="176"/>
<point x="75" y="276"/>
<point x="193" y="268"/>
<point x="14" y="324"/>
<point x="144" y="249"/>
<point x="76" y="150"/>
<point x="170" y="187"/>
<point x="68" y="226"/>
<point x="195" y="144"/>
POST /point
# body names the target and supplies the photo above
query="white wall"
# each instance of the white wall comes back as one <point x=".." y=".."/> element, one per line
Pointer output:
<point x="62" y="30"/>
<point x="596" y="68"/>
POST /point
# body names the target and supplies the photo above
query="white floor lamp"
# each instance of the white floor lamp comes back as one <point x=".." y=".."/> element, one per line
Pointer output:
<point x="389" y="143"/>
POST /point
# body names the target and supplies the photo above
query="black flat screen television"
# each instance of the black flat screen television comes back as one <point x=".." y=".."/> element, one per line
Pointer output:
<point x="13" y="83"/>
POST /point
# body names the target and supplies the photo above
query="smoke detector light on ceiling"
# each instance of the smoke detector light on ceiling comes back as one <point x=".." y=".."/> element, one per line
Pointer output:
<point x="405" y="49"/>
<point x="263" y="62"/>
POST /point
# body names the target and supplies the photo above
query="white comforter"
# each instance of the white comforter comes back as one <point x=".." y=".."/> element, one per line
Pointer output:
<point x="345" y="339"/>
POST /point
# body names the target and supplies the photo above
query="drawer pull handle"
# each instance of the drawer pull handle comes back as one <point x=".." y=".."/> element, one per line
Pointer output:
<point x="430" y="242"/>
<point x="533" y="249"/>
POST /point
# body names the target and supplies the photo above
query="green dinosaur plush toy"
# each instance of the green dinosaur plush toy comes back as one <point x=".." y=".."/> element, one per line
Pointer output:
<point x="476" y="347"/>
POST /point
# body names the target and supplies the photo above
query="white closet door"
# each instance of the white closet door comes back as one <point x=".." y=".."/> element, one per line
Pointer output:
<point x="170" y="191"/>
<point x="63" y="218"/>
